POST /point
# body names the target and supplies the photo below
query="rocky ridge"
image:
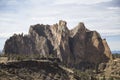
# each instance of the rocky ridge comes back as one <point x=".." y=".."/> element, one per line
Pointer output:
<point x="75" y="48"/>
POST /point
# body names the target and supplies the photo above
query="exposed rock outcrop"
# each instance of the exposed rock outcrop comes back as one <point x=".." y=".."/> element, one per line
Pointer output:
<point x="74" y="47"/>
<point x="38" y="70"/>
<point x="107" y="49"/>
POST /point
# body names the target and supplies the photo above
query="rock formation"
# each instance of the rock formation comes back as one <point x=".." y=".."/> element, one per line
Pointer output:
<point x="74" y="47"/>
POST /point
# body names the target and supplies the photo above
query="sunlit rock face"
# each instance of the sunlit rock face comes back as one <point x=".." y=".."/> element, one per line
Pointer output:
<point x="73" y="47"/>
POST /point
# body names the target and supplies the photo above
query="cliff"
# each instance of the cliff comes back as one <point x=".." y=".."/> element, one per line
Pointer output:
<point x="74" y="47"/>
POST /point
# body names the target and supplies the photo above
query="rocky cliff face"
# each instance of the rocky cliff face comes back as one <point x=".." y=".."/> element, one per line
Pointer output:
<point x="74" y="47"/>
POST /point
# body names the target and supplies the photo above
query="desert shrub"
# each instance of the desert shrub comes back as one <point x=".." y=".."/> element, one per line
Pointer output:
<point x="21" y="57"/>
<point x="103" y="78"/>
<point x="82" y="75"/>
<point x="111" y="78"/>
<point x="116" y="55"/>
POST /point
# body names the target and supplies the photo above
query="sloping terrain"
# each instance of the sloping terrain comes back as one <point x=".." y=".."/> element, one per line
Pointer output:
<point x="34" y="70"/>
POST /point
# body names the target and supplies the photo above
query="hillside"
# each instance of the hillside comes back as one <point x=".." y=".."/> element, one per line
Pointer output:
<point x="34" y="70"/>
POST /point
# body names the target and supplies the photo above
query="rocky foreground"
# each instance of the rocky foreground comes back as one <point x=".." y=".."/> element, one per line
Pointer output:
<point x="49" y="70"/>
<point x="113" y="69"/>
<point x="35" y="70"/>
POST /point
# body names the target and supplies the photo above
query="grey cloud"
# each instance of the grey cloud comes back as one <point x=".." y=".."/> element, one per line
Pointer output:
<point x="104" y="5"/>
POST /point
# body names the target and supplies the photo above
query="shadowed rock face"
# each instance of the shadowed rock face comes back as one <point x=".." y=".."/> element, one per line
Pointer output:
<point x="71" y="46"/>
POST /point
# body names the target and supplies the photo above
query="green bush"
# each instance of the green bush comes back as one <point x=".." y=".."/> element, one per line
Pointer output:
<point x="111" y="78"/>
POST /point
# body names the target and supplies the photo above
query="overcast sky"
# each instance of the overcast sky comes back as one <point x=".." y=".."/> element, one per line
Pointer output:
<point x="101" y="15"/>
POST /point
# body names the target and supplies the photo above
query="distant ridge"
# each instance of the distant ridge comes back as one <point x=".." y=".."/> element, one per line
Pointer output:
<point x="116" y="51"/>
